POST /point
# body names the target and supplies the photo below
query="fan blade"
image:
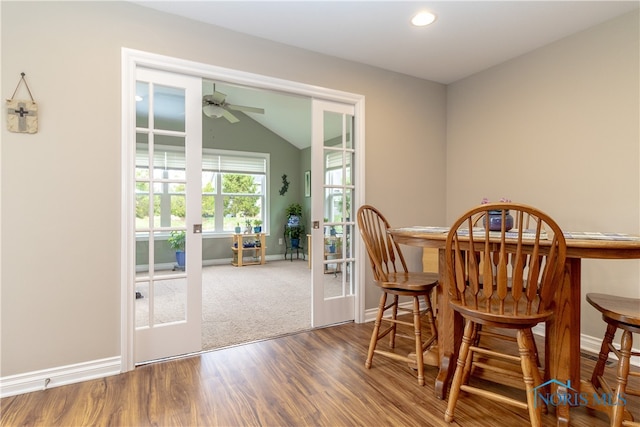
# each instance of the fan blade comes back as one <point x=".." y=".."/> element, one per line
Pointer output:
<point x="245" y="109"/>
<point x="230" y="117"/>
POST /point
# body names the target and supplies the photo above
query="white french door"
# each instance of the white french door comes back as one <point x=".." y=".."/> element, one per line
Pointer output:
<point x="168" y="153"/>
<point x="333" y="189"/>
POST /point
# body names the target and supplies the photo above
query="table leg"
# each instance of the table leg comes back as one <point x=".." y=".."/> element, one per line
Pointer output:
<point x="562" y="338"/>
<point x="449" y="332"/>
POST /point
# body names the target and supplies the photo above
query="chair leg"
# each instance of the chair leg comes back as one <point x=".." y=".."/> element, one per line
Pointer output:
<point x="527" y="360"/>
<point x="457" y="376"/>
<point x="394" y="316"/>
<point x="603" y="356"/>
<point x="474" y="340"/>
<point x="417" y="328"/>
<point x="534" y="347"/>
<point x="617" y="410"/>
<point x="376" y="330"/>
<point x="431" y="318"/>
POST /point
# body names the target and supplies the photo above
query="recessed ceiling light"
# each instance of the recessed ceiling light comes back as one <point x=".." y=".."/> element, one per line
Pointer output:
<point x="423" y="19"/>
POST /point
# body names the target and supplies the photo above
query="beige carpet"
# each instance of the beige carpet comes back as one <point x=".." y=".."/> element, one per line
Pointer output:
<point x="241" y="304"/>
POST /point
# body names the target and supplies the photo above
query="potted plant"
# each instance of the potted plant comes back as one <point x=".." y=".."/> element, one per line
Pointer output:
<point x="295" y="227"/>
<point x="177" y="241"/>
<point x="295" y="233"/>
<point x="257" y="226"/>
<point x="294" y="209"/>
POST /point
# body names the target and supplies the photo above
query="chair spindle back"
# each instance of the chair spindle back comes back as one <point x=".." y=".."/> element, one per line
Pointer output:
<point x="525" y="266"/>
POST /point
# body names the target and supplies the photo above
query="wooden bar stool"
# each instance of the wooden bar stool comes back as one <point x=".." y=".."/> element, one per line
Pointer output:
<point x="504" y="280"/>
<point x="624" y="314"/>
<point x="390" y="273"/>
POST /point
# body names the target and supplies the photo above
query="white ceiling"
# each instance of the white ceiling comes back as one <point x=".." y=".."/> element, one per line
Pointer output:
<point x="467" y="36"/>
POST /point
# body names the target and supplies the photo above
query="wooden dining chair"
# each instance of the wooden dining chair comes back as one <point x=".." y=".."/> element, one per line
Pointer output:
<point x="390" y="273"/>
<point x="513" y="291"/>
<point x="624" y="314"/>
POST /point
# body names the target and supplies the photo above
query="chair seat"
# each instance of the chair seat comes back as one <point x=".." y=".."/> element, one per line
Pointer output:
<point x="505" y="320"/>
<point x="620" y="309"/>
<point x="412" y="281"/>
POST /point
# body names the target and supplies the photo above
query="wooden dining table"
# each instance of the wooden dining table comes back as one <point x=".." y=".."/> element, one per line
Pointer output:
<point x="562" y="335"/>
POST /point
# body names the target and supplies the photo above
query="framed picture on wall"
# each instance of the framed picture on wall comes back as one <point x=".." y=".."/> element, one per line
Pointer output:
<point x="307" y="184"/>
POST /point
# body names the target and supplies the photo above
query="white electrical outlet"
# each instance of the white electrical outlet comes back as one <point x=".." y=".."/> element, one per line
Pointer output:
<point x="280" y="242"/>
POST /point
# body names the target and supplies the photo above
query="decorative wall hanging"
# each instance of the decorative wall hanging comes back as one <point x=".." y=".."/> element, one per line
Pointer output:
<point x="22" y="115"/>
<point x="285" y="185"/>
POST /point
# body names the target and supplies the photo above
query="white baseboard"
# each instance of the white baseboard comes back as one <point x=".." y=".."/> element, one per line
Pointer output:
<point x="58" y="376"/>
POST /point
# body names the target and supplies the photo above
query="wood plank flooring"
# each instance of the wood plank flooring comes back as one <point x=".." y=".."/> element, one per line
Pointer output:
<point x="314" y="378"/>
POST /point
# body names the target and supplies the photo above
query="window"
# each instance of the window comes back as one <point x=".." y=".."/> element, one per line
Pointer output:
<point x="233" y="183"/>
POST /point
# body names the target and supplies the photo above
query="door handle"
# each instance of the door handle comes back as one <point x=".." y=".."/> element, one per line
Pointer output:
<point x="197" y="228"/>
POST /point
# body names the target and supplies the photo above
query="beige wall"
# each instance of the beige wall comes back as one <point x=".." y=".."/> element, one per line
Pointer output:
<point x="557" y="128"/>
<point x="61" y="187"/>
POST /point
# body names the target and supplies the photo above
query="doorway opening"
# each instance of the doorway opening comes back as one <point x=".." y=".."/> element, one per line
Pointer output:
<point x="133" y="59"/>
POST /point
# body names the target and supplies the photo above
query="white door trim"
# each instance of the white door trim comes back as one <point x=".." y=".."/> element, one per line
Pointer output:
<point x="131" y="59"/>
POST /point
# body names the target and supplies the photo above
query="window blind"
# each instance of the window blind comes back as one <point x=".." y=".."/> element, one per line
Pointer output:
<point x="173" y="158"/>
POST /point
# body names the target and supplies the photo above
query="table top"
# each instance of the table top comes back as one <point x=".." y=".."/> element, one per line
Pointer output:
<point x="579" y="244"/>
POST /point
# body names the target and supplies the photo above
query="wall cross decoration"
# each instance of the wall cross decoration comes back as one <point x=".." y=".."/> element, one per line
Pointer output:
<point x="22" y="115"/>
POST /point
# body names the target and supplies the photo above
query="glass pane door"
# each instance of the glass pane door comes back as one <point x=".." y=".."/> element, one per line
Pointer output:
<point x="333" y="156"/>
<point x="168" y="192"/>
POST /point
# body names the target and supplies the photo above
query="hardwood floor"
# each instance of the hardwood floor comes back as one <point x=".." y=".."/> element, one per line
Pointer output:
<point x="314" y="378"/>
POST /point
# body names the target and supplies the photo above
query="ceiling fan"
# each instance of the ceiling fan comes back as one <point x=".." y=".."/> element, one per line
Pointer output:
<point x="215" y="106"/>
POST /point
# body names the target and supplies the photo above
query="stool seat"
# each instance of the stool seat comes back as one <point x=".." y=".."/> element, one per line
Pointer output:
<point x="621" y="309"/>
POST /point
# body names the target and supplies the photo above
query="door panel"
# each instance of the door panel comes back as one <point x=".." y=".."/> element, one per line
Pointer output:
<point x="168" y="193"/>
<point x="332" y="155"/>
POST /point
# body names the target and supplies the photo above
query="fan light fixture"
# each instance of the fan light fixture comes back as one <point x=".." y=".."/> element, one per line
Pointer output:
<point x="423" y="19"/>
<point x="212" y="111"/>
